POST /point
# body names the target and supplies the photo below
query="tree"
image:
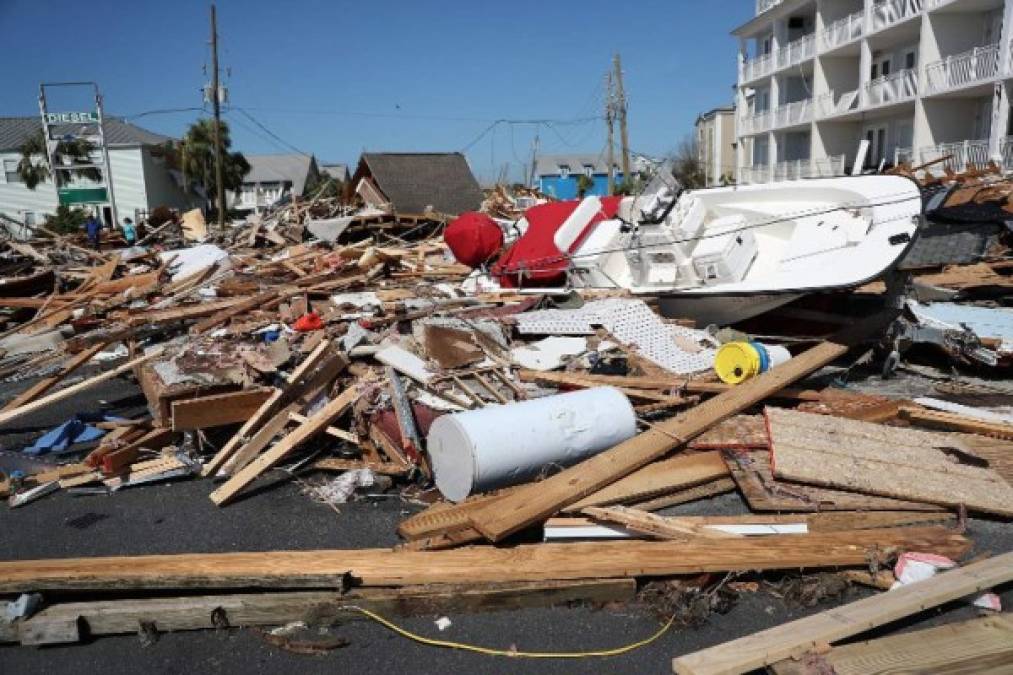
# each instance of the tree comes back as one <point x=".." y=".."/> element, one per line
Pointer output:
<point x="66" y="219"/>
<point x="686" y="165"/>
<point x="34" y="168"/>
<point x="195" y="157"/>
<point x="584" y="183"/>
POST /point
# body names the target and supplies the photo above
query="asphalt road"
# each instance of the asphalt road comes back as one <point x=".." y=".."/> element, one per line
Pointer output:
<point x="178" y="517"/>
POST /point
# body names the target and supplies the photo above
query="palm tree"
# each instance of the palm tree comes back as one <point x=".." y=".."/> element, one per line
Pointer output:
<point x="34" y="168"/>
<point x="195" y="157"/>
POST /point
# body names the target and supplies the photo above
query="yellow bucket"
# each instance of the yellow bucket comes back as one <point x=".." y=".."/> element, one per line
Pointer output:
<point x="736" y="362"/>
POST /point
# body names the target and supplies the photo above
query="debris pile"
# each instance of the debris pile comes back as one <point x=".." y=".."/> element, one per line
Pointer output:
<point x="542" y="439"/>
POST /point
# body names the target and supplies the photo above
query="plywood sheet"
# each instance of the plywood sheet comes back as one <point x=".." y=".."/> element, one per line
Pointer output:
<point x="879" y="460"/>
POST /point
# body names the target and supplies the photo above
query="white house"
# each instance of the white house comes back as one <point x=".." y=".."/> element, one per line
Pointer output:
<point x="918" y="79"/>
<point x="272" y="177"/>
<point x="141" y="179"/>
<point x="715" y="144"/>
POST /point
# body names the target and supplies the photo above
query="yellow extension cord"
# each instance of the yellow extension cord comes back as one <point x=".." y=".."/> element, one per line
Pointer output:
<point x="505" y="652"/>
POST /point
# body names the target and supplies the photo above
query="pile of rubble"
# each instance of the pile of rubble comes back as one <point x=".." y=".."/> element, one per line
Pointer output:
<point x="541" y="438"/>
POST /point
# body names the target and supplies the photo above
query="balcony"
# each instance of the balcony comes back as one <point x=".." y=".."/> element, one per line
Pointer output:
<point x="892" y="12"/>
<point x="764" y="5"/>
<point x="892" y="88"/>
<point x="757" y="67"/>
<point x="903" y="156"/>
<point x="790" y="114"/>
<point x="842" y="31"/>
<point x="797" y="51"/>
<point x="959" y="155"/>
<point x="829" y="104"/>
<point x="754" y="174"/>
<point x="756" y="124"/>
<point x="980" y="64"/>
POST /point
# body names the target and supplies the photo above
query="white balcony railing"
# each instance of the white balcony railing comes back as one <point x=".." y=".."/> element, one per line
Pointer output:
<point x="754" y="174"/>
<point x="892" y="88"/>
<point x="977" y="65"/>
<point x="757" y="67"/>
<point x="797" y="51"/>
<point x="1006" y="150"/>
<point x="756" y="124"/>
<point x="959" y="155"/>
<point x="790" y="114"/>
<point x="829" y="104"/>
<point x="794" y="169"/>
<point x="763" y="5"/>
<point x="903" y="156"/>
<point x="842" y="31"/>
<point x="886" y="14"/>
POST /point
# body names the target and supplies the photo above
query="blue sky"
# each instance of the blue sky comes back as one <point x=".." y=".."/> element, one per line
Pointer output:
<point x="336" y="78"/>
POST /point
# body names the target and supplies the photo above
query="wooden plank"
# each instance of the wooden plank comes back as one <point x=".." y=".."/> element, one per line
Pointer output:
<point x="937" y="419"/>
<point x="648" y="523"/>
<point x="679" y="472"/>
<point x="117" y="617"/>
<point x="542" y="499"/>
<point x="710" y="489"/>
<point x="8" y="415"/>
<point x="238" y="308"/>
<point x="314" y="425"/>
<point x="337" y="464"/>
<point x="218" y="410"/>
<point x="978" y="645"/>
<point x="751" y="472"/>
<point x="879" y="460"/>
<point x="260" y="440"/>
<point x="997" y="452"/>
<point x="266" y="410"/>
<point x="474" y="564"/>
<point x="741" y="431"/>
<point x="796" y="637"/>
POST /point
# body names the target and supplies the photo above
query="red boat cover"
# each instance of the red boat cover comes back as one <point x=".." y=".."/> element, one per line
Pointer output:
<point x="473" y="238"/>
<point x="534" y="260"/>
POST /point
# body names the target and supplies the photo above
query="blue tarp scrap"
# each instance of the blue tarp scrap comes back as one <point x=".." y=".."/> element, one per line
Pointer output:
<point x="78" y="429"/>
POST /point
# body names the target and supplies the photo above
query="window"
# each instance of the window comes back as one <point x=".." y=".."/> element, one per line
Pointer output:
<point x="564" y="171"/>
<point x="11" y="171"/>
<point x="909" y="60"/>
<point x="29" y="218"/>
<point x="588" y="170"/>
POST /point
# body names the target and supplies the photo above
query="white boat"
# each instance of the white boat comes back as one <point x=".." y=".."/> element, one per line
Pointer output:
<point x="721" y="255"/>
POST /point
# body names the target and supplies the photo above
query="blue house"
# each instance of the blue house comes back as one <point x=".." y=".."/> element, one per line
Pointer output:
<point x="556" y="175"/>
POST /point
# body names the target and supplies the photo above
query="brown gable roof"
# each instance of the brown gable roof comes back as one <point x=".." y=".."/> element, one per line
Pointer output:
<point x="413" y="181"/>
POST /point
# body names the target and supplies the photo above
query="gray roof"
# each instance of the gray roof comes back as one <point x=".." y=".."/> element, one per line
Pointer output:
<point x="14" y="131"/>
<point x="413" y="181"/>
<point x="338" y="171"/>
<point x="293" y="168"/>
<point x="548" y="165"/>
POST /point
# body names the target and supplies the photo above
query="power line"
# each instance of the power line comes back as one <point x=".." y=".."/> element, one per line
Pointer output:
<point x="269" y="132"/>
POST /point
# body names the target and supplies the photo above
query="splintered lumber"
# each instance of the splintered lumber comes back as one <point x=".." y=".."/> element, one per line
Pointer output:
<point x="975" y="646"/>
<point x="880" y="460"/>
<point x="39" y="404"/>
<point x="679" y="472"/>
<point x="317" y="423"/>
<point x="752" y="474"/>
<point x="68" y="622"/>
<point x="648" y="523"/>
<point x="537" y="501"/>
<point x="475" y="564"/>
<point x="796" y="637"/>
<point x="709" y="489"/>
<point x="267" y="409"/>
<point x="218" y="410"/>
<point x="234" y="310"/>
<point x="45" y="384"/>
<point x="938" y="419"/>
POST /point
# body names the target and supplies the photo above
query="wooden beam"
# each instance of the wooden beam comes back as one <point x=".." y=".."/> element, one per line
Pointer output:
<point x="267" y="409"/>
<point x="8" y="415"/>
<point x="219" y="409"/>
<point x="476" y="564"/>
<point x="540" y="500"/>
<point x="59" y="623"/>
<point x="795" y="637"/>
<point x="314" y="425"/>
<point x="938" y="419"/>
<point x="229" y="312"/>
<point x="47" y="383"/>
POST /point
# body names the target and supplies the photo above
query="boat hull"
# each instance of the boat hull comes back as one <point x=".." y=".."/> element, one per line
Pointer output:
<point x="721" y="308"/>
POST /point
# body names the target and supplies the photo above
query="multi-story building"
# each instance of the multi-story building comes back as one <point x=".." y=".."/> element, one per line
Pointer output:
<point x="917" y="79"/>
<point x="715" y="145"/>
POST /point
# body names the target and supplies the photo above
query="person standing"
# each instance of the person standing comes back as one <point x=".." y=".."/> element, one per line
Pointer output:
<point x="94" y="229"/>
<point x="129" y="231"/>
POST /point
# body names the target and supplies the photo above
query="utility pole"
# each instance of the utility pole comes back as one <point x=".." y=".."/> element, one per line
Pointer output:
<point x="217" y="107"/>
<point x="610" y="110"/>
<point x="534" y="159"/>
<point x="623" y="135"/>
